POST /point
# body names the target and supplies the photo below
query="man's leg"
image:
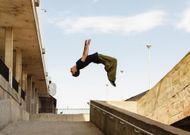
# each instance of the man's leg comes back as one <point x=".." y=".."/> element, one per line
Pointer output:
<point x="110" y="64"/>
<point x="112" y="72"/>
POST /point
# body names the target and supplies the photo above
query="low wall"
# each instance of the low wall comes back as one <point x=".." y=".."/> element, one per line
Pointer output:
<point x="11" y="112"/>
<point x="11" y="105"/>
<point x="126" y="105"/>
<point x="112" y="120"/>
<point x="6" y="92"/>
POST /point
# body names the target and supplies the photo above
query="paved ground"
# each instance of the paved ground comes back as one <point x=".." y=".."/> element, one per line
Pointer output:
<point x="51" y="128"/>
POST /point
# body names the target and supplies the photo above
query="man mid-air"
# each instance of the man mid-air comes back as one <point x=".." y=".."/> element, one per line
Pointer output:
<point x="110" y="63"/>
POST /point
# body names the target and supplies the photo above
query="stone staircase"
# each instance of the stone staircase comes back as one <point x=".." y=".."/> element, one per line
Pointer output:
<point x="59" y="117"/>
<point x="59" y="126"/>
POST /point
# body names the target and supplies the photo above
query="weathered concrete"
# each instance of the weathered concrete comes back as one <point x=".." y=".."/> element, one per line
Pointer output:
<point x="21" y="15"/>
<point x="169" y="101"/>
<point x="59" y="117"/>
<point x="115" y="121"/>
<point x="9" y="47"/>
<point x="6" y="92"/>
<point x="10" y="112"/>
<point x="51" y="128"/>
<point x="12" y="107"/>
<point x="128" y="105"/>
<point x="18" y="66"/>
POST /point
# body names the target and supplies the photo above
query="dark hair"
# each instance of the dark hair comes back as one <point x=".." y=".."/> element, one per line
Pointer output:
<point x="76" y="74"/>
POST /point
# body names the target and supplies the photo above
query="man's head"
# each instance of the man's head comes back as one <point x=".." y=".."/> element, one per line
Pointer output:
<point x="74" y="71"/>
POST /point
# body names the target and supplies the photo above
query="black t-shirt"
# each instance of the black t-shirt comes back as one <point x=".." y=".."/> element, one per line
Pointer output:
<point x="89" y="59"/>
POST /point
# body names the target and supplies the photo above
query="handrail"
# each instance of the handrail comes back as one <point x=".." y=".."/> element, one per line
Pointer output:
<point x="23" y="94"/>
<point x="15" y="84"/>
<point x="122" y="121"/>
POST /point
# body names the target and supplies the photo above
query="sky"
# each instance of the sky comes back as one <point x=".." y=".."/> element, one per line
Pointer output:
<point x="117" y="28"/>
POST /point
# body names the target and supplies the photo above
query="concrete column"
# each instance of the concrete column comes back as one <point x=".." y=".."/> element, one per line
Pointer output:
<point x="24" y="81"/>
<point x="18" y="66"/>
<point x="29" y="94"/>
<point x="36" y="102"/>
<point x="33" y="98"/>
<point x="9" y="51"/>
<point x="24" y="85"/>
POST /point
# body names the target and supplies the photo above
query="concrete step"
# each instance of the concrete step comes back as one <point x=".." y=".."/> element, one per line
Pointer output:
<point x="51" y="128"/>
<point x="59" y="117"/>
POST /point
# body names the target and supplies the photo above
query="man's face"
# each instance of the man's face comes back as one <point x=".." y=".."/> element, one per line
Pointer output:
<point x="73" y="70"/>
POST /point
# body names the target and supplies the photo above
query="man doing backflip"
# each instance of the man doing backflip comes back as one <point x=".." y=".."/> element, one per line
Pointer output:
<point x="110" y="63"/>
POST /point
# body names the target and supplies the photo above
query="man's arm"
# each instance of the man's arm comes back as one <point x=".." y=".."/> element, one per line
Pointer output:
<point x="86" y="49"/>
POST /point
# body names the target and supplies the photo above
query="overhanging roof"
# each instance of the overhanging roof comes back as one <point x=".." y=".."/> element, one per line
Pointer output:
<point x="22" y="16"/>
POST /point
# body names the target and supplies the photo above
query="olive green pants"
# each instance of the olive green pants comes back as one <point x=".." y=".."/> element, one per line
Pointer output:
<point x="110" y="64"/>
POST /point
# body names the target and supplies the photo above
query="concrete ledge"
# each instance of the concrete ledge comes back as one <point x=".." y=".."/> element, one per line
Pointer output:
<point x="59" y="117"/>
<point x="6" y="92"/>
<point x="126" y="105"/>
<point x="10" y="112"/>
<point x="115" y="121"/>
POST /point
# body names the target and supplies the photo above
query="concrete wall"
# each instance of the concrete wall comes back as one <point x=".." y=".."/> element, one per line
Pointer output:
<point x="10" y="112"/>
<point x="6" y="92"/>
<point x="47" y="104"/>
<point x="11" y="105"/>
<point x="128" y="105"/>
<point x="115" y="121"/>
<point x="169" y="100"/>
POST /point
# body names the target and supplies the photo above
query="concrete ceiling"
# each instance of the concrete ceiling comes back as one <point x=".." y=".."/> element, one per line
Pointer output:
<point x="21" y="15"/>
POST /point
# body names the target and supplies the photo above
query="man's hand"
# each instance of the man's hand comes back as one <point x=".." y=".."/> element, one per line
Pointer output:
<point x="87" y="42"/>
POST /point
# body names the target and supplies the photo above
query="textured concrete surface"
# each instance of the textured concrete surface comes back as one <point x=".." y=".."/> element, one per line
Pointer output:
<point x="51" y="128"/>
<point x="10" y="112"/>
<point x="169" y="100"/>
<point x="59" y="117"/>
<point x="6" y="91"/>
<point x="112" y="120"/>
<point x="128" y="105"/>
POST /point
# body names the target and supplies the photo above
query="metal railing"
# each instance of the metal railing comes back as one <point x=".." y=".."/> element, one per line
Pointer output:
<point x="15" y="84"/>
<point x="4" y="70"/>
<point x="112" y="120"/>
<point x="23" y="94"/>
<point x="137" y="129"/>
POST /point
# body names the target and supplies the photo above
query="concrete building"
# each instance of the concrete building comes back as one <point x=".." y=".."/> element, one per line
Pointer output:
<point x="23" y="79"/>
